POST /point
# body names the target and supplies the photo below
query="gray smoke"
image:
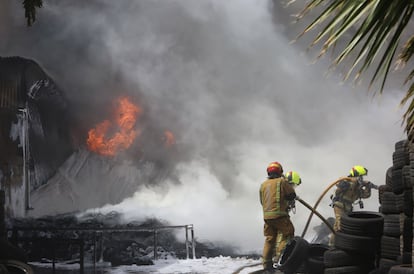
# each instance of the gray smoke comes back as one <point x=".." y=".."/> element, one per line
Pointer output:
<point x="224" y="77"/>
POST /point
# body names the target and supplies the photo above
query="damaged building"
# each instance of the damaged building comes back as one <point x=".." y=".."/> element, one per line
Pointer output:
<point x="34" y="139"/>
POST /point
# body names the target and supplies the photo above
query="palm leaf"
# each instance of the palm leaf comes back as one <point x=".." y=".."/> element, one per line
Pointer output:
<point x="30" y="10"/>
<point x="377" y="27"/>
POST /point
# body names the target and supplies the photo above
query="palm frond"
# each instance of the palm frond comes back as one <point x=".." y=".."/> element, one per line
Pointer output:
<point x="376" y="27"/>
<point x="406" y="53"/>
<point x="30" y="10"/>
<point x="408" y="117"/>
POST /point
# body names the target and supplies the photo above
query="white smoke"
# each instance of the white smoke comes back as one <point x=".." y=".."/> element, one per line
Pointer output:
<point x="225" y="78"/>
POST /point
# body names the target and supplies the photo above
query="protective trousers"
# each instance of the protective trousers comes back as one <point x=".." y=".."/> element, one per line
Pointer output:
<point x="338" y="211"/>
<point x="272" y="227"/>
<point x="279" y="247"/>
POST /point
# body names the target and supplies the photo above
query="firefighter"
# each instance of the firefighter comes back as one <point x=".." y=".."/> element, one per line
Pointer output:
<point x="275" y="196"/>
<point x="349" y="191"/>
<point x="294" y="180"/>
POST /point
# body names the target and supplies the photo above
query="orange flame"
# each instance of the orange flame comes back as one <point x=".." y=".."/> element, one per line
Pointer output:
<point x="125" y="118"/>
<point x="169" y="138"/>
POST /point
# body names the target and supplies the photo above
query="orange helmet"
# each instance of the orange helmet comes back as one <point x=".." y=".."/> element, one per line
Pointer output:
<point x="274" y="168"/>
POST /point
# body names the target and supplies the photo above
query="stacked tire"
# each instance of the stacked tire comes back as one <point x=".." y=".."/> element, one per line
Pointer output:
<point x="403" y="158"/>
<point x="356" y="245"/>
<point x="315" y="261"/>
<point x="396" y="204"/>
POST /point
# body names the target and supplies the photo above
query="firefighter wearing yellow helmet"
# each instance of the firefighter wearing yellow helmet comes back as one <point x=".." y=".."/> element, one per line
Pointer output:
<point x="350" y="191"/>
<point x="275" y="196"/>
<point x="294" y="180"/>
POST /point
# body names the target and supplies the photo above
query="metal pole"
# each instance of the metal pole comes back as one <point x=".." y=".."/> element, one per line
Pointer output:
<point x="3" y="233"/>
<point x="155" y="243"/>
<point x="186" y="241"/>
<point x="24" y="148"/>
<point x="26" y="121"/>
<point x="101" y="247"/>
<point x="26" y="156"/>
<point x="81" y="256"/>
<point x="94" y="252"/>
<point x="192" y="241"/>
<point x="53" y="256"/>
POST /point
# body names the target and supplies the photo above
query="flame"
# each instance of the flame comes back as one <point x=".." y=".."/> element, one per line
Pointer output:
<point x="126" y="115"/>
<point x="169" y="138"/>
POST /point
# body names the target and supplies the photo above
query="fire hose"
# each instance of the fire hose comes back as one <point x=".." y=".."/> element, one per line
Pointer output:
<point x="313" y="210"/>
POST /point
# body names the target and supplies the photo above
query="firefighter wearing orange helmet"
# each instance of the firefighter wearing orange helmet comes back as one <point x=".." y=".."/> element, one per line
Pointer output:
<point x="350" y="190"/>
<point x="276" y="194"/>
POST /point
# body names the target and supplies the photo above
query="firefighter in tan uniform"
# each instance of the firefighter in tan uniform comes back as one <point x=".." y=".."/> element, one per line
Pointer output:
<point x="350" y="190"/>
<point x="294" y="180"/>
<point x="275" y="196"/>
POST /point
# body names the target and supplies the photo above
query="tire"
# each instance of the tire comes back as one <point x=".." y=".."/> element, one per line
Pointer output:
<point x="388" y="177"/>
<point x="405" y="258"/>
<point x="363" y="223"/>
<point x="397" y="181"/>
<point x="338" y="257"/>
<point x="401" y="269"/>
<point x="386" y="264"/>
<point x="315" y="265"/>
<point x="315" y="262"/>
<point x="357" y="244"/>
<point x="408" y="203"/>
<point x="408" y="234"/>
<point x="392" y="225"/>
<point x="17" y="267"/>
<point x="400" y="158"/>
<point x="401" y="145"/>
<point x="3" y="269"/>
<point x="353" y="269"/>
<point x="392" y="203"/>
<point x="406" y="174"/>
<point x="295" y="253"/>
<point x="381" y="190"/>
<point x="390" y="247"/>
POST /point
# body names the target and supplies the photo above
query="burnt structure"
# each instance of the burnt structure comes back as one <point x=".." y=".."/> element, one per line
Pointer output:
<point x="34" y="131"/>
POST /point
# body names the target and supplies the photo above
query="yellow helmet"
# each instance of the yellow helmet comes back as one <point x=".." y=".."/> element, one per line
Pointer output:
<point x="358" y="171"/>
<point x="293" y="177"/>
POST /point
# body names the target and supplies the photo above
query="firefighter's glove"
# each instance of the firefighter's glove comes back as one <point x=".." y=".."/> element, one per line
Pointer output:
<point x="292" y="206"/>
<point x="371" y="185"/>
<point x="333" y="199"/>
<point x="367" y="184"/>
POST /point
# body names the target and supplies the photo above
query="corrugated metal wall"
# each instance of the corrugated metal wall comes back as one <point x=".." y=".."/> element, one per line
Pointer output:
<point x="26" y="88"/>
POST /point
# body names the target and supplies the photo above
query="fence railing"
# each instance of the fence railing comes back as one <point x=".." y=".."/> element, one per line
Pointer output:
<point x="189" y="239"/>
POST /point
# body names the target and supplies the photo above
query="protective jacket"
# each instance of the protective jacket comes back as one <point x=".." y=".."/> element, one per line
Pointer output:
<point x="350" y="189"/>
<point x="275" y="194"/>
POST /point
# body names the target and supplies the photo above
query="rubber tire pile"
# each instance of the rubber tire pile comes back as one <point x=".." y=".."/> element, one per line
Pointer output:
<point x="367" y="242"/>
<point x="396" y="204"/>
<point x="356" y="245"/>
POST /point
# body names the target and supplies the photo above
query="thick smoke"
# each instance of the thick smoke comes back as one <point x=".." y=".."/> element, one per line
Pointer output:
<point x="224" y="77"/>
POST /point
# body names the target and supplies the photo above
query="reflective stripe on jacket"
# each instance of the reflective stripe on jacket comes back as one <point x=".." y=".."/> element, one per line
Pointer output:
<point x="272" y="197"/>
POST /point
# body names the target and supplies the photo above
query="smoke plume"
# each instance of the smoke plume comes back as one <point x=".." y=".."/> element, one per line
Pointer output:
<point x="224" y="77"/>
